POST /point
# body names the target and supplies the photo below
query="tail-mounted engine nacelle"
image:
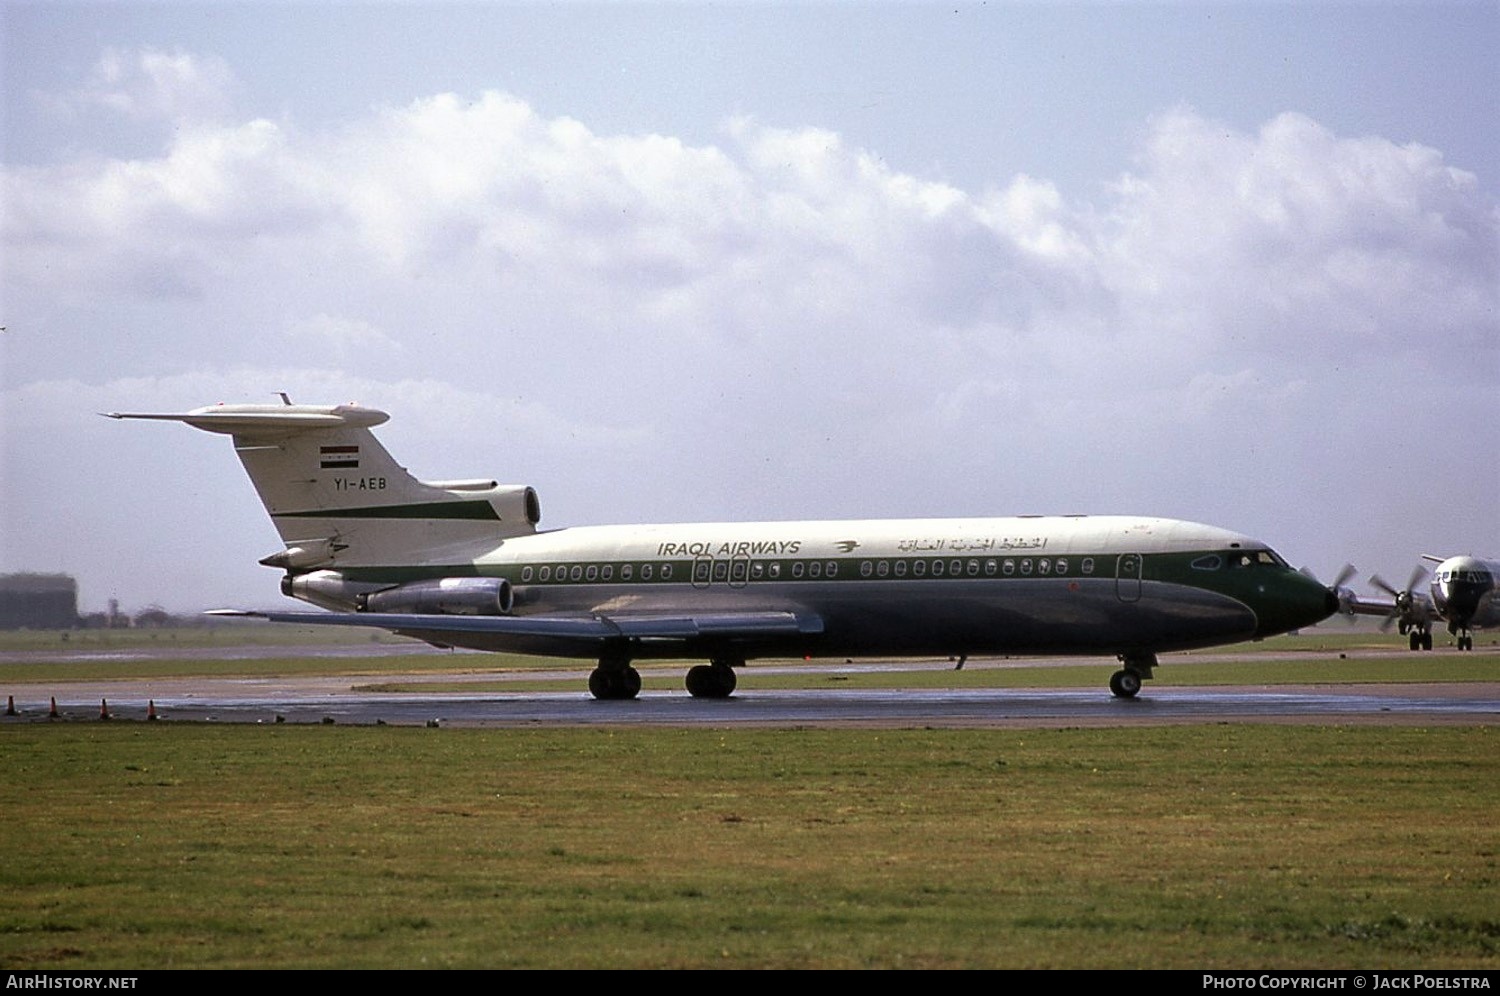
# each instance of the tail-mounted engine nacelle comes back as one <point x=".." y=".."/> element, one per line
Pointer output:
<point x="446" y="596"/>
<point x="517" y="503"/>
<point x="330" y="589"/>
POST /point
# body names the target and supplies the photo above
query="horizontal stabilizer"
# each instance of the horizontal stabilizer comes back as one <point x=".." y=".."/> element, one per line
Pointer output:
<point x="266" y="420"/>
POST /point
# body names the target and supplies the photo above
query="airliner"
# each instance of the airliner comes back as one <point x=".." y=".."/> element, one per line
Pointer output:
<point x="462" y="563"/>
<point x="1462" y="594"/>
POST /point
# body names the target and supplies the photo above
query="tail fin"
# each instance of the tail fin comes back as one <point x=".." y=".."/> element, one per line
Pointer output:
<point x="339" y="500"/>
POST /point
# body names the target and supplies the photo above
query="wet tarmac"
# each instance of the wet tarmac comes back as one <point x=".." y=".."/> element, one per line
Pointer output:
<point x="352" y="700"/>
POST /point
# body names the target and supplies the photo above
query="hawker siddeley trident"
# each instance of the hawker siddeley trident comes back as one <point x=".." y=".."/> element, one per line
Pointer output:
<point x="462" y="564"/>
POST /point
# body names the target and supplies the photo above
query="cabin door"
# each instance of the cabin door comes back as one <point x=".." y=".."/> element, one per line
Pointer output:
<point x="1128" y="577"/>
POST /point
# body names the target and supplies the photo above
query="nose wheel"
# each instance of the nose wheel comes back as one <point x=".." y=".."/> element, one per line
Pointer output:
<point x="1126" y="682"/>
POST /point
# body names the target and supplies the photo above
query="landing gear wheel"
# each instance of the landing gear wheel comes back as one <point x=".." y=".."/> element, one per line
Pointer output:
<point x="614" y="684"/>
<point x="1416" y="640"/>
<point x="1427" y="640"/>
<point x="711" y="681"/>
<point x="1125" y="684"/>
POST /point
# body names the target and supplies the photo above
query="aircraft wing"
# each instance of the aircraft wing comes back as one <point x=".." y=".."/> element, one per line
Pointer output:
<point x="1413" y="609"/>
<point x="1364" y="605"/>
<point x="596" y="627"/>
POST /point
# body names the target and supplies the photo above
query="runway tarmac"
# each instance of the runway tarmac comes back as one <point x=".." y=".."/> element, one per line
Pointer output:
<point x="347" y="700"/>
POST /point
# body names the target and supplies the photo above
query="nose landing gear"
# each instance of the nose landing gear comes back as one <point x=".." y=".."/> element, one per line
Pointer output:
<point x="1126" y="682"/>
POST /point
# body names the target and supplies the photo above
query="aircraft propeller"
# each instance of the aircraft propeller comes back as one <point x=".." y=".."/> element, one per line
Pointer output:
<point x="1405" y="609"/>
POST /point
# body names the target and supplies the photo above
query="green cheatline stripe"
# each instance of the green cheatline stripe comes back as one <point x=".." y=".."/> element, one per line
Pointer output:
<point x="434" y="510"/>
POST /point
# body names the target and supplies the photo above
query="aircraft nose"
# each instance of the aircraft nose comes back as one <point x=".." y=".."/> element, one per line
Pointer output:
<point x="1294" y="601"/>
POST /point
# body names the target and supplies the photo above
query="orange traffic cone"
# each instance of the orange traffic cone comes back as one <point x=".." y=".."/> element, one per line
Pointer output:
<point x="103" y="709"/>
<point x="151" y="710"/>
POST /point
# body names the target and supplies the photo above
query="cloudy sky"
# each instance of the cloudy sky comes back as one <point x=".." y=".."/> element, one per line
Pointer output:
<point x="679" y="262"/>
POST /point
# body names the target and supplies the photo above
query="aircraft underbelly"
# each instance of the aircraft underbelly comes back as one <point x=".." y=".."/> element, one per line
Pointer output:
<point x="924" y="618"/>
<point x="1036" y="617"/>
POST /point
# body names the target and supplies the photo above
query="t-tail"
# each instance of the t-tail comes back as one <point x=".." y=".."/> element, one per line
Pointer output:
<point x="341" y="502"/>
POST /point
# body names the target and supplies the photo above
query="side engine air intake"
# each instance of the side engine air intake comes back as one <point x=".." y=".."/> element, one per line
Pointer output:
<point x="446" y="596"/>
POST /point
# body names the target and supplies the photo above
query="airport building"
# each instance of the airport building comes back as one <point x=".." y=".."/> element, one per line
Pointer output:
<point x="38" y="601"/>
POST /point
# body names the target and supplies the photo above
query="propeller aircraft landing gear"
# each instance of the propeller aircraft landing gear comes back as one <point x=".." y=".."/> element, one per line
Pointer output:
<point x="715" y="680"/>
<point x="1126" y="682"/>
<point x="614" y="679"/>
<point x="1408" y="616"/>
<point x="1419" y="639"/>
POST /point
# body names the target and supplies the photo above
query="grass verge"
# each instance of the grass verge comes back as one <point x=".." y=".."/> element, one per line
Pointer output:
<point x="208" y="846"/>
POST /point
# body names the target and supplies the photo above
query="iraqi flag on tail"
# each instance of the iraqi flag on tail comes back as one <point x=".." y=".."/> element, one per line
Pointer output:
<point x="339" y="457"/>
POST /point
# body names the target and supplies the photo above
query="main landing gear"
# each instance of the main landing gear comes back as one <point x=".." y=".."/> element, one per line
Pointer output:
<point x="1419" y="638"/>
<point x="1462" y="635"/>
<point x="1126" y="682"/>
<point x="714" y="680"/>
<point x="614" y="679"/>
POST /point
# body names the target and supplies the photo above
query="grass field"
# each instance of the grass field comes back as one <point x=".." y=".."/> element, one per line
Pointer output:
<point x="141" y="846"/>
<point x="180" y="845"/>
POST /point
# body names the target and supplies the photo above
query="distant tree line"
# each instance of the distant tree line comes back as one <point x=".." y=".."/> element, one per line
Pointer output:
<point x="50" y="601"/>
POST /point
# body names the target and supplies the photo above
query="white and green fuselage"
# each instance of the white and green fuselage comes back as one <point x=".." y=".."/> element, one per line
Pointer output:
<point x="462" y="563"/>
<point x="1066" y="585"/>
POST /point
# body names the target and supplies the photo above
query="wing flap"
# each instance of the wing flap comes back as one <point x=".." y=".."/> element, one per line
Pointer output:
<point x="598" y="627"/>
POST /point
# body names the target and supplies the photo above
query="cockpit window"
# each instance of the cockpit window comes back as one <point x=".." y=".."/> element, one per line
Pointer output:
<point x="1212" y="562"/>
<point x="1254" y="558"/>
